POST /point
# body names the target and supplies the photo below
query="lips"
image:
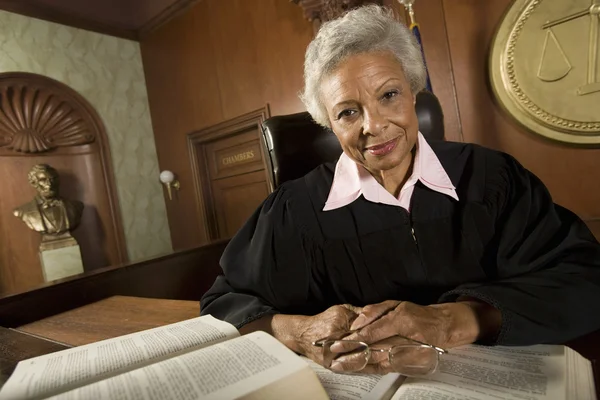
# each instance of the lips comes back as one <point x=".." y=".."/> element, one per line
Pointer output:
<point x="383" y="148"/>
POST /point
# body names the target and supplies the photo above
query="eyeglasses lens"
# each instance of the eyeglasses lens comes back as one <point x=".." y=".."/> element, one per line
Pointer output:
<point x="354" y="355"/>
<point x="414" y="360"/>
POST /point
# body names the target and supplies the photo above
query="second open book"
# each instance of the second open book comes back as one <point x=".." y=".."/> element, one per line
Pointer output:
<point x="204" y="358"/>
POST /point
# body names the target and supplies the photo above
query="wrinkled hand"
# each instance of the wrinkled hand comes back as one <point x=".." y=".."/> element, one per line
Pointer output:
<point x="334" y="323"/>
<point x="444" y="325"/>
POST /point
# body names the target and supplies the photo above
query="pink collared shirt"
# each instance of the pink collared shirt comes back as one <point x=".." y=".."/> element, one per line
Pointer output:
<point x="351" y="180"/>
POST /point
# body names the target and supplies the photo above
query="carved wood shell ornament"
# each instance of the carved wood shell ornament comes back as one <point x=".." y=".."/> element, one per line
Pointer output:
<point x="326" y="10"/>
<point x="38" y="114"/>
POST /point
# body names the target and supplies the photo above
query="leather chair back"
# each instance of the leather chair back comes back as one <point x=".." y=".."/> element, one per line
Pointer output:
<point x="295" y="144"/>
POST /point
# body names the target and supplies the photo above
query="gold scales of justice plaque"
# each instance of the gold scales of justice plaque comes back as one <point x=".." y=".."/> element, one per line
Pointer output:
<point x="545" y="68"/>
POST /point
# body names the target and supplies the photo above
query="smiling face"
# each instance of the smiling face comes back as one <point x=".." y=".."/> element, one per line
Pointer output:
<point x="372" y="111"/>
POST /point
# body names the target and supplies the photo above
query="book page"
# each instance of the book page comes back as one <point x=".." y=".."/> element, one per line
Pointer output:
<point x="481" y="373"/>
<point x="580" y="377"/>
<point x="238" y="368"/>
<point x="356" y="386"/>
<point x="53" y="373"/>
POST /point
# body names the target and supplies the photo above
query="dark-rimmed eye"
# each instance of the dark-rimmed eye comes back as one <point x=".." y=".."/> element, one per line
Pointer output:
<point x="390" y="94"/>
<point x="346" y="113"/>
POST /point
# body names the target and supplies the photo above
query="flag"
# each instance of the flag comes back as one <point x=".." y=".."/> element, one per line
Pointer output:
<point x="414" y="27"/>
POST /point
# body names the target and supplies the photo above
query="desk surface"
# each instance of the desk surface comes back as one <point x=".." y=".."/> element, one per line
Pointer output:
<point x="111" y="317"/>
<point x="120" y="315"/>
<point x="105" y="319"/>
<point x="16" y="346"/>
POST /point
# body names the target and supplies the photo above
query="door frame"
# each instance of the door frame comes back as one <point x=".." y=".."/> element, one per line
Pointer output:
<point x="197" y="142"/>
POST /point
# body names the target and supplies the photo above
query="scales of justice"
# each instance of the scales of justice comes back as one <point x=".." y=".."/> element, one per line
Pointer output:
<point x="549" y="71"/>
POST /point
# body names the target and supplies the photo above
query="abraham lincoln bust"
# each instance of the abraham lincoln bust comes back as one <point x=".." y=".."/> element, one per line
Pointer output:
<point x="48" y="213"/>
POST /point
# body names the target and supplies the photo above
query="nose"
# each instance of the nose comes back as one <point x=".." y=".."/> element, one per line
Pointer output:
<point x="374" y="123"/>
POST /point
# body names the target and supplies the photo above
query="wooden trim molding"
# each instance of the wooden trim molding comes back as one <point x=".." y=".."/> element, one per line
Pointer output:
<point x="197" y="142"/>
<point x="58" y="16"/>
<point x="319" y="11"/>
<point x="125" y="31"/>
<point x="38" y="114"/>
<point x="174" y="10"/>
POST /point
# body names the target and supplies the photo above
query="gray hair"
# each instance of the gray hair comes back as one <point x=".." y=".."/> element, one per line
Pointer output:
<point x="363" y="30"/>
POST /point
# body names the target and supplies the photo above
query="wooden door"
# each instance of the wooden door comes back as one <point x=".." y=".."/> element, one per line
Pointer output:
<point x="228" y="164"/>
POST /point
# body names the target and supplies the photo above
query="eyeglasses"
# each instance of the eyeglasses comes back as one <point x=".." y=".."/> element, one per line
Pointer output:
<point x="410" y="357"/>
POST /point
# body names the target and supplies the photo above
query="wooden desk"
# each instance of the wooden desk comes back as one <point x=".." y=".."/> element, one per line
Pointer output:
<point x="111" y="317"/>
<point x="104" y="319"/>
<point x="120" y="315"/>
<point x="16" y="346"/>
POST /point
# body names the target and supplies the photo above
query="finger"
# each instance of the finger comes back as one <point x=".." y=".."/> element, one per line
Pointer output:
<point x="376" y="331"/>
<point x="352" y="358"/>
<point x="333" y="323"/>
<point x="354" y="309"/>
<point x="349" y="363"/>
<point x="378" y="357"/>
<point x="372" y="312"/>
<point x="345" y="346"/>
<point x="317" y="357"/>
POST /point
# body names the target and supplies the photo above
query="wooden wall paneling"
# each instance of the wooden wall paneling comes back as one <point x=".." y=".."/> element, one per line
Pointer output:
<point x="181" y="275"/>
<point x="219" y="60"/>
<point x="594" y="225"/>
<point x="234" y="39"/>
<point x="259" y="54"/>
<point x="281" y="48"/>
<point x="430" y="16"/>
<point x="570" y="173"/>
<point x="183" y="93"/>
<point x="226" y="151"/>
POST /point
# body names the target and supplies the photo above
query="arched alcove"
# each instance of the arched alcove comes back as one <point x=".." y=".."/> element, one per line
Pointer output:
<point x="45" y="121"/>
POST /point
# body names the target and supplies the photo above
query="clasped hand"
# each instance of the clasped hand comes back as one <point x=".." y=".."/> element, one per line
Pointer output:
<point x="384" y="324"/>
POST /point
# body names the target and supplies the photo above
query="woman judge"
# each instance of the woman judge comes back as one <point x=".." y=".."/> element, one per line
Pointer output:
<point x="443" y="243"/>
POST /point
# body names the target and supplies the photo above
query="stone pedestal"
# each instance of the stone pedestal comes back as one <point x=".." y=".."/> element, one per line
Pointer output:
<point x="60" y="257"/>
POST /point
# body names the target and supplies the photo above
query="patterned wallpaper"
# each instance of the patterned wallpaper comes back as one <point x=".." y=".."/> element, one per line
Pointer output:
<point x="108" y="72"/>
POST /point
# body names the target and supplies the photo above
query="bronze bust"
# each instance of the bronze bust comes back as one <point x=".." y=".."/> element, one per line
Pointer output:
<point x="48" y="213"/>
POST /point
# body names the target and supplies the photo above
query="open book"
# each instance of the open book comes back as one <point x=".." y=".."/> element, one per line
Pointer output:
<point x="204" y="358"/>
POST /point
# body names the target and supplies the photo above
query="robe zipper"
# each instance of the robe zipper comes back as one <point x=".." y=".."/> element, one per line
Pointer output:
<point x="410" y="222"/>
<point x="412" y="231"/>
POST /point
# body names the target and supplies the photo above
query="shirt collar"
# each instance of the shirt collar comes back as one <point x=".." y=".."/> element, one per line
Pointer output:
<point x="428" y="168"/>
<point x="350" y="180"/>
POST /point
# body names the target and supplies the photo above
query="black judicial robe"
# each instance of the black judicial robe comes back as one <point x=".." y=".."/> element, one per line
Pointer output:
<point x="504" y="242"/>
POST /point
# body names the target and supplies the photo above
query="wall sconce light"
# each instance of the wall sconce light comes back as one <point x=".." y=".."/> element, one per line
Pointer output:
<point x="168" y="178"/>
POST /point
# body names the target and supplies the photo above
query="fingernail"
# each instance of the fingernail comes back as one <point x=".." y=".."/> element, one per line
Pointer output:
<point x="336" y="366"/>
<point x="358" y="322"/>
